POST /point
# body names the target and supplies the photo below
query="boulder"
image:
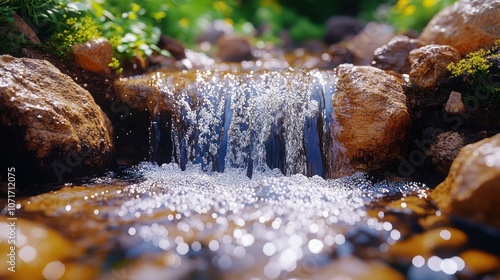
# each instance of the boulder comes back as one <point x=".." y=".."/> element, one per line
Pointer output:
<point x="50" y="126"/>
<point x="467" y="25"/>
<point x="394" y="55"/>
<point x="471" y="189"/>
<point x="94" y="55"/>
<point x="370" y="122"/>
<point x="428" y="65"/>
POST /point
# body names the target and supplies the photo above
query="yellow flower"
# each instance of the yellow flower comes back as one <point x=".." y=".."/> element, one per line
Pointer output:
<point x="408" y="11"/>
<point x="184" y="22"/>
<point x="429" y="3"/>
<point x="402" y="4"/>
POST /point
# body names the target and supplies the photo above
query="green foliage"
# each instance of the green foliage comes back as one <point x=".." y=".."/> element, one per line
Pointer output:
<point x="480" y="71"/>
<point x="414" y="14"/>
<point x="80" y="30"/>
<point x="475" y="63"/>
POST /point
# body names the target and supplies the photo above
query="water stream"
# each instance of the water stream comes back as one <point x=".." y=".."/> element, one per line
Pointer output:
<point x="253" y="120"/>
<point x="233" y="190"/>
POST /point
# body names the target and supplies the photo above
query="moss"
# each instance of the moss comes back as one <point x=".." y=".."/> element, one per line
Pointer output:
<point x="80" y="30"/>
<point x="473" y="64"/>
<point x="480" y="72"/>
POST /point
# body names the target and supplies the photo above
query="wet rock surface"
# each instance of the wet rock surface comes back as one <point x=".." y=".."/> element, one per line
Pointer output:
<point x="471" y="189"/>
<point x="428" y="65"/>
<point x="394" y="55"/>
<point x="94" y="55"/>
<point x="468" y="25"/>
<point x="371" y="120"/>
<point x="49" y="124"/>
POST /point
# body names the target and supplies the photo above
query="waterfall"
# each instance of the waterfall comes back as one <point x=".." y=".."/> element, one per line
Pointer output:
<point x="254" y="120"/>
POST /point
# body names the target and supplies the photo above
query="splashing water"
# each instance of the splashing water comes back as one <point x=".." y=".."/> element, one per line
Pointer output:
<point x="271" y="222"/>
<point x="251" y="120"/>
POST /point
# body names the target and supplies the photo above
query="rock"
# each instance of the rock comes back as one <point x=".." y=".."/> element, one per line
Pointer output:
<point x="370" y="120"/>
<point x="394" y="55"/>
<point x="373" y="36"/>
<point x="467" y="25"/>
<point x="94" y="55"/>
<point x="454" y="105"/>
<point x="38" y="249"/>
<point x="445" y="150"/>
<point x="24" y="28"/>
<point x="339" y="54"/>
<point x="478" y="263"/>
<point x="234" y="49"/>
<point x="428" y="65"/>
<point x="176" y="48"/>
<point x="471" y="189"/>
<point x="50" y="126"/>
<point x="443" y="241"/>
<point x="338" y="28"/>
<point x="355" y="268"/>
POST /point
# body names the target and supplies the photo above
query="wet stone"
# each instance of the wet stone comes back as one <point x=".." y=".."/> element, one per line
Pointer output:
<point x="428" y="65"/>
<point x="478" y="263"/>
<point x="394" y="55"/>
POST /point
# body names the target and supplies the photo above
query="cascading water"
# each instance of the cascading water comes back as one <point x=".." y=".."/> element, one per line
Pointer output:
<point x="250" y="120"/>
<point x="258" y="216"/>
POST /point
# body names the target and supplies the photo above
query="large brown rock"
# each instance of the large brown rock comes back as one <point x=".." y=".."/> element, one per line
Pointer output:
<point x="471" y="189"/>
<point x="370" y="121"/>
<point x="428" y="65"/>
<point x="51" y="127"/>
<point x="468" y="25"/>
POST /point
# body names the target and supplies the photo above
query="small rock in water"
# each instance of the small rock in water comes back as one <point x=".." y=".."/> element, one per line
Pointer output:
<point x="428" y="65"/>
<point x="94" y="55"/>
<point x="441" y="242"/>
<point x="478" y="263"/>
<point x="394" y="55"/>
<point x="468" y="25"/>
<point x="471" y="189"/>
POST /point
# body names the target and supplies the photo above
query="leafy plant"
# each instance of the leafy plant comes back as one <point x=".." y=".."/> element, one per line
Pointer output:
<point x="480" y="70"/>
<point x="80" y="30"/>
